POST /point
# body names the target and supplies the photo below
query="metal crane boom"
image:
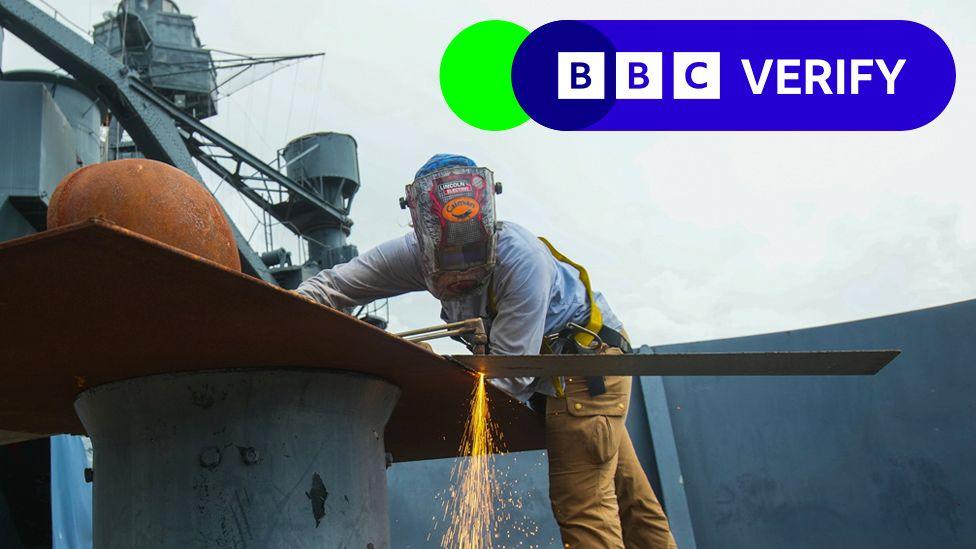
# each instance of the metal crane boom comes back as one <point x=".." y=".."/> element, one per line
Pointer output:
<point x="199" y="136"/>
<point x="151" y="127"/>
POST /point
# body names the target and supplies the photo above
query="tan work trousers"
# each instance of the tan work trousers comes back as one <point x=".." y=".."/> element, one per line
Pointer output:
<point x="599" y="493"/>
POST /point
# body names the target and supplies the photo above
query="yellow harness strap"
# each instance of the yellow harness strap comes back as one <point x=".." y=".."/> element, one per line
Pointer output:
<point x="594" y="324"/>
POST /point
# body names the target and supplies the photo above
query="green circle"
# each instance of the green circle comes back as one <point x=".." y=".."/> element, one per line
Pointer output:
<point x="476" y="75"/>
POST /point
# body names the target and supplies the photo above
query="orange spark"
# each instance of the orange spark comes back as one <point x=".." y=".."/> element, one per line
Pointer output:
<point x="470" y="509"/>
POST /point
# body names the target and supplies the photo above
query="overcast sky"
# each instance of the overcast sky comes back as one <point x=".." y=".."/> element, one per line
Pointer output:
<point x="689" y="235"/>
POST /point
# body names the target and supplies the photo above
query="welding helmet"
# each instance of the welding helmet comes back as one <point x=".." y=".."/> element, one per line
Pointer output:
<point x="452" y="205"/>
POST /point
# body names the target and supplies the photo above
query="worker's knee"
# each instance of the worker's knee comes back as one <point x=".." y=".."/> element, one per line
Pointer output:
<point x="585" y="506"/>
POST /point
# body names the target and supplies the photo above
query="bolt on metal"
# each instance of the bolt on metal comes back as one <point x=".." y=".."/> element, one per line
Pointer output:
<point x="210" y="457"/>
<point x="250" y="455"/>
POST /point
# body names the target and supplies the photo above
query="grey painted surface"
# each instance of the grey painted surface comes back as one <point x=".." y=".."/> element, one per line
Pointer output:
<point x="36" y="141"/>
<point x="80" y="107"/>
<point x="12" y="224"/>
<point x="38" y="147"/>
<point x="268" y="458"/>
<point x="417" y="491"/>
<point x="670" y="477"/>
<point x="884" y="461"/>
<point x="84" y="116"/>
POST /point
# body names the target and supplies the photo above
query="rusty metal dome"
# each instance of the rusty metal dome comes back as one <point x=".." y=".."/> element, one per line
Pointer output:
<point x="151" y="198"/>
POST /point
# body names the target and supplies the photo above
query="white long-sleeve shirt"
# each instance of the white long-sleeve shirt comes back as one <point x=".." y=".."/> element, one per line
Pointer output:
<point x="534" y="294"/>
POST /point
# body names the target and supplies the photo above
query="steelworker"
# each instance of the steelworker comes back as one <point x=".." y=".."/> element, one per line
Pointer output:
<point x="533" y="300"/>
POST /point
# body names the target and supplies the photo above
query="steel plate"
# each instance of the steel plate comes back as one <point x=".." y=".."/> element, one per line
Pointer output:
<point x="93" y="303"/>
<point x="812" y="363"/>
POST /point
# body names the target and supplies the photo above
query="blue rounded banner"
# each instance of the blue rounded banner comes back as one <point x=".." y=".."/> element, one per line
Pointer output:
<point x="733" y="75"/>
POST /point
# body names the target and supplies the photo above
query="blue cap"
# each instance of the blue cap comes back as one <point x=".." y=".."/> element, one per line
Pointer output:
<point x="439" y="161"/>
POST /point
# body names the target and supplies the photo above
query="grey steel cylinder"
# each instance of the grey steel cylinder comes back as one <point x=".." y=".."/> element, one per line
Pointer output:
<point x="326" y="164"/>
<point x="240" y="458"/>
<point x="327" y="158"/>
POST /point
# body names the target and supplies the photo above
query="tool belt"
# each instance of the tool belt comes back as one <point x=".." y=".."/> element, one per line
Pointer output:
<point x="567" y="342"/>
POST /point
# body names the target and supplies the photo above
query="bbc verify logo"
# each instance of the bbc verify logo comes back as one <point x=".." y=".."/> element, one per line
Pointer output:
<point x="639" y="75"/>
<point x="698" y="75"/>
<point x="705" y="75"/>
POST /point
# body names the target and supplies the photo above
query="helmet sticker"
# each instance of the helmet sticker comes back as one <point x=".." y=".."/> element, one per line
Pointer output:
<point x="455" y="187"/>
<point x="461" y="209"/>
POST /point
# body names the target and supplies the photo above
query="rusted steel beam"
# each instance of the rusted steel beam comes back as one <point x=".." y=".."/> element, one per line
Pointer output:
<point x="106" y="304"/>
<point x="807" y="363"/>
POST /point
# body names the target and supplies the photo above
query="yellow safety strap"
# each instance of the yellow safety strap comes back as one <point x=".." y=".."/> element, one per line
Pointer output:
<point x="594" y="324"/>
